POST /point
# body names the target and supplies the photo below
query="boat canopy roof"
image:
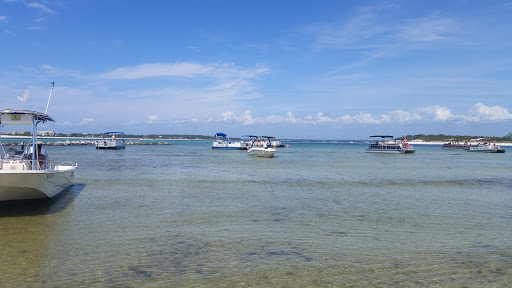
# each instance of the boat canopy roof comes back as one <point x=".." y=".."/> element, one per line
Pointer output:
<point x="110" y="133"/>
<point x="23" y="117"/>
<point x="381" y="136"/>
<point x="221" y="134"/>
<point x="269" y="137"/>
<point x="250" y="136"/>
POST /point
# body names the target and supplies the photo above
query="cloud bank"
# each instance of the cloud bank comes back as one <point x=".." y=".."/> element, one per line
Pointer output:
<point x="479" y="113"/>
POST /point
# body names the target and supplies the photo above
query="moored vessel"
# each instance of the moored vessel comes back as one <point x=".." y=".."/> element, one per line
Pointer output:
<point x="386" y="144"/>
<point x="261" y="146"/>
<point x="25" y="174"/>
<point x="454" y="144"/>
<point x="222" y="142"/>
<point x="110" y="142"/>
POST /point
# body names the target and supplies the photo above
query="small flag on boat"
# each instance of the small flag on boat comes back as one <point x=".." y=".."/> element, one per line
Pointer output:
<point x="23" y="96"/>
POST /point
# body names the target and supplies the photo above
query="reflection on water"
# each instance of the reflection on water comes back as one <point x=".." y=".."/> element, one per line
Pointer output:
<point x="41" y="206"/>
<point x="317" y="215"/>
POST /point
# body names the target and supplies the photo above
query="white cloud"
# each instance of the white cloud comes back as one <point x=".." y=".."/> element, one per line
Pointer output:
<point x="184" y="69"/>
<point x="427" y="29"/>
<point x="152" y="118"/>
<point x="228" y="116"/>
<point x="480" y="113"/>
<point x="321" y="118"/>
<point x="41" y="7"/>
<point x="46" y="67"/>
<point x="437" y="112"/>
<point x="248" y="120"/>
<point x="400" y="116"/>
<point x="86" y="121"/>
<point x="3" y="19"/>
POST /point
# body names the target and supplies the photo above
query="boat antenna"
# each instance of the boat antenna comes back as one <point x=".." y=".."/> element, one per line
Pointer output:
<point x="45" y="112"/>
<point x="23" y="97"/>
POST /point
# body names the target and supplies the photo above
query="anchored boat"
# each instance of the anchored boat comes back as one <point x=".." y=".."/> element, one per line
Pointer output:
<point x="261" y="146"/>
<point x="454" y="144"/>
<point x="222" y="142"/>
<point x="110" y="142"/>
<point x="379" y="144"/>
<point x="25" y="174"/>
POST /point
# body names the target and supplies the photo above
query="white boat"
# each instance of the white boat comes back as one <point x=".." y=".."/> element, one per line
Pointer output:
<point x="379" y="144"/>
<point x="26" y="175"/>
<point x="261" y="146"/>
<point x="110" y="142"/>
<point x="222" y="142"/>
<point x="486" y="148"/>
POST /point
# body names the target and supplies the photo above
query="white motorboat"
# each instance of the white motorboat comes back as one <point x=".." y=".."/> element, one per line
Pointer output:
<point x="222" y="142"/>
<point x="379" y="144"/>
<point x="261" y="146"/>
<point x="486" y="148"/>
<point x="110" y="142"/>
<point x="26" y="175"/>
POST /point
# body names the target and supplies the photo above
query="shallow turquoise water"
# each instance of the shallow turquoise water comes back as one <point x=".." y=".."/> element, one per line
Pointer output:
<point x="317" y="215"/>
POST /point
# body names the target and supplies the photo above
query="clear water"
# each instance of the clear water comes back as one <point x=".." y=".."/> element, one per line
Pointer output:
<point x="316" y="215"/>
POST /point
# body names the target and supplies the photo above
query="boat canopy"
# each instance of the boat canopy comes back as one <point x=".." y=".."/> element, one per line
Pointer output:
<point x="23" y="117"/>
<point x="250" y="136"/>
<point x="269" y="137"/>
<point x="381" y="136"/>
<point x="110" y="133"/>
<point x="221" y="134"/>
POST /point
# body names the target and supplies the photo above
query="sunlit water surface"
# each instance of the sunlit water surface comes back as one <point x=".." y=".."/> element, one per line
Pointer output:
<point x="316" y="215"/>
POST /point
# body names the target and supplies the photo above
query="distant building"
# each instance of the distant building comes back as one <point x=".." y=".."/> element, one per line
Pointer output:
<point x="19" y="132"/>
<point x="46" y="133"/>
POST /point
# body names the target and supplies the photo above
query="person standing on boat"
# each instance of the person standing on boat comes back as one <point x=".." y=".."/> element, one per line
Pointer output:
<point x="41" y="156"/>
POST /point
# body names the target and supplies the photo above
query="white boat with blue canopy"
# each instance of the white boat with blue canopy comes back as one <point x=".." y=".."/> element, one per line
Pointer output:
<point x="386" y="144"/>
<point x="110" y="142"/>
<point x="223" y="142"/>
<point x="27" y="175"/>
<point x="261" y="146"/>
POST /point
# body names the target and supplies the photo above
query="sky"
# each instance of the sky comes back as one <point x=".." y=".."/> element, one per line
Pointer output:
<point x="291" y="69"/>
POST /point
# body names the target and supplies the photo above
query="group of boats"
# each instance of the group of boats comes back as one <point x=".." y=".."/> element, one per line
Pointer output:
<point x="386" y="144"/>
<point x="26" y="171"/>
<point x="258" y="146"/>
<point x="474" y="145"/>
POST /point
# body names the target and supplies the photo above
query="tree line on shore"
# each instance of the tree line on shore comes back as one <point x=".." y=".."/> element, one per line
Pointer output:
<point x="460" y="138"/>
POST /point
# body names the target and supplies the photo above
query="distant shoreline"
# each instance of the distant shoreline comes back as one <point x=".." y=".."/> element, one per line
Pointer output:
<point x="92" y="139"/>
<point x="441" y="143"/>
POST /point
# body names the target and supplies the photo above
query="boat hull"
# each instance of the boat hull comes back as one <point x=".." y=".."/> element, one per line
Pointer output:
<point x="111" y="148"/>
<point x="34" y="184"/>
<point x="262" y="152"/>
<point x="500" y="150"/>
<point x="228" y="148"/>
<point x="225" y="145"/>
<point x="110" y="145"/>
<point x="390" y="151"/>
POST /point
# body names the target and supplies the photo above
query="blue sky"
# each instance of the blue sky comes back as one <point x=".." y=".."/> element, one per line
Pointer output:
<point x="292" y="69"/>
